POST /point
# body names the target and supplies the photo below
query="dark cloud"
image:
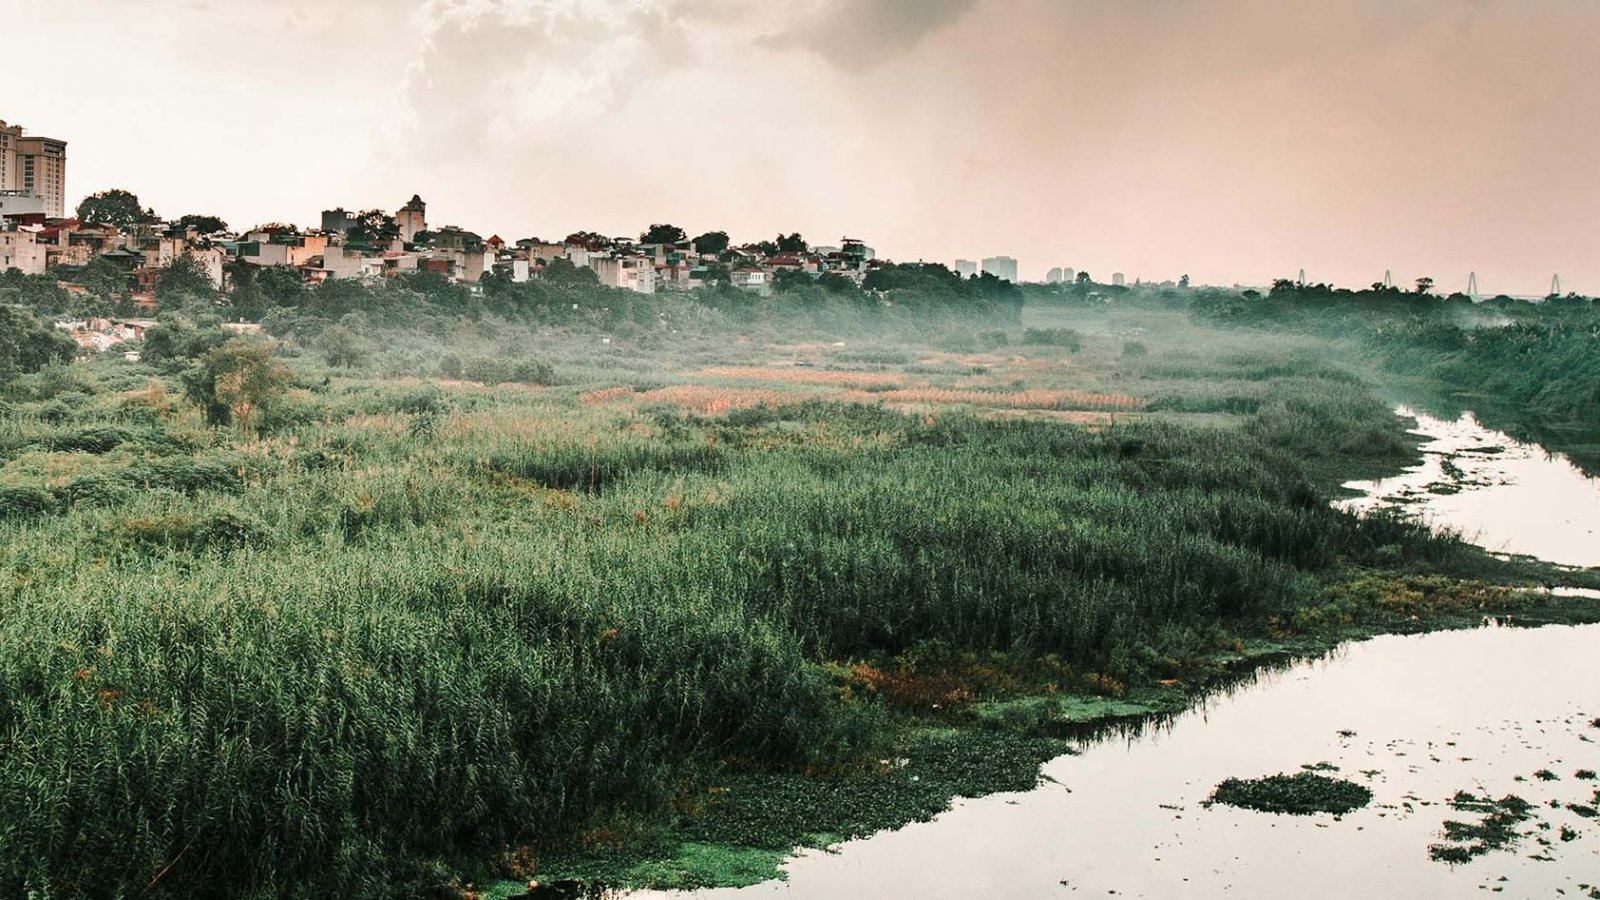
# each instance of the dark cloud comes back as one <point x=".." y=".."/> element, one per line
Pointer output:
<point x="860" y="34"/>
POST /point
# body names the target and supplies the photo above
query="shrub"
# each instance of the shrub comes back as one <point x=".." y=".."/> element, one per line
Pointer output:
<point x="1054" y="337"/>
<point x="25" y="502"/>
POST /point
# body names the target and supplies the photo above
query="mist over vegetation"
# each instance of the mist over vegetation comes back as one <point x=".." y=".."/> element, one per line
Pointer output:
<point x="424" y="581"/>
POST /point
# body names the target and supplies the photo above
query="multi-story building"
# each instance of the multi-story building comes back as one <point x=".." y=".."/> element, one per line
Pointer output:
<point x="35" y="165"/>
<point x="1003" y="267"/>
<point x="336" y="220"/>
<point x="10" y="135"/>
<point x="1054" y="276"/>
<point x="412" y="218"/>
<point x="1119" y="279"/>
<point x="20" y="249"/>
<point x="966" y="268"/>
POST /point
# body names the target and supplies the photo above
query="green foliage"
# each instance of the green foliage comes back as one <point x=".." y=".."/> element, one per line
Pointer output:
<point x="712" y="242"/>
<point x="184" y="277"/>
<point x="1300" y="794"/>
<point x="1053" y="337"/>
<point x="664" y="234"/>
<point x="236" y="379"/>
<point x="372" y="228"/>
<point x="116" y="207"/>
<point x="28" y="345"/>
<point x="176" y="340"/>
<point x="202" y="224"/>
<point x="342" y="347"/>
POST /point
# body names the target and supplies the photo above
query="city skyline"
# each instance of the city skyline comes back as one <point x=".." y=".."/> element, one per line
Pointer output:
<point x="1417" y="139"/>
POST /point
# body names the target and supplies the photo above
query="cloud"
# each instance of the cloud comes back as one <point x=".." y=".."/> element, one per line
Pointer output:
<point x="860" y="34"/>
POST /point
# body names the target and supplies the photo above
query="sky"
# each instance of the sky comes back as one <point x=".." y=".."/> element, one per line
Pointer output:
<point x="1230" y="140"/>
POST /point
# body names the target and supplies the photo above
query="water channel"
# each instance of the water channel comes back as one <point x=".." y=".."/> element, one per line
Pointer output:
<point x="1492" y="711"/>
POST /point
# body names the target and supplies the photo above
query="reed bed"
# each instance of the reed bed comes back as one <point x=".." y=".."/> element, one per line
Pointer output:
<point x="361" y="654"/>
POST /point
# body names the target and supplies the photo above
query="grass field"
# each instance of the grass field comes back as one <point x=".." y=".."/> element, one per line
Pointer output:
<point x="412" y="632"/>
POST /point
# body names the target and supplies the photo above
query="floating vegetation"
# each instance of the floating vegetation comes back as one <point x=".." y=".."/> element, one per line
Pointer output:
<point x="1300" y="794"/>
<point x="1495" y="830"/>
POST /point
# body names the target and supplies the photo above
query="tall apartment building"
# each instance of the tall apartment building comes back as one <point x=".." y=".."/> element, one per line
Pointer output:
<point x="966" y="268"/>
<point x="1001" y="267"/>
<point x="35" y="165"/>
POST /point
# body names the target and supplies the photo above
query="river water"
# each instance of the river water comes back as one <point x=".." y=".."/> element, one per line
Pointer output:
<point x="1492" y="711"/>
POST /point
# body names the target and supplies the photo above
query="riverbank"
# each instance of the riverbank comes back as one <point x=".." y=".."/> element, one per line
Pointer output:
<point x="956" y="736"/>
<point x="623" y="620"/>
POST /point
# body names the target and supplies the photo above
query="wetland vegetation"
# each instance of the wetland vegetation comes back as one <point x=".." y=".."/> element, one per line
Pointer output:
<point x="435" y="588"/>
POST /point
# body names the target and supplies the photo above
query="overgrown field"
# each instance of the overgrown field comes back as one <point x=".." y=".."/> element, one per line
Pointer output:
<point x="400" y="632"/>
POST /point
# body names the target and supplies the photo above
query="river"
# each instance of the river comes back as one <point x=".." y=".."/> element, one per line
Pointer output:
<point x="1492" y="711"/>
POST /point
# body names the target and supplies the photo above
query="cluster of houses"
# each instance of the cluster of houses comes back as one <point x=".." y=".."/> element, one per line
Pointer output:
<point x="373" y="247"/>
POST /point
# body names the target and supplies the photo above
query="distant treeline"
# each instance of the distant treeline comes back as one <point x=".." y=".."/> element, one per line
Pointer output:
<point x="1526" y="365"/>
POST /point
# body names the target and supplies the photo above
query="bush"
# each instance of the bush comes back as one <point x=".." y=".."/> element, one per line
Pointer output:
<point x="1054" y="337"/>
<point x="25" y="502"/>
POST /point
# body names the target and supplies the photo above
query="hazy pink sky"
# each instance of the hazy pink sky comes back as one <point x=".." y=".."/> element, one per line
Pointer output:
<point x="1233" y="141"/>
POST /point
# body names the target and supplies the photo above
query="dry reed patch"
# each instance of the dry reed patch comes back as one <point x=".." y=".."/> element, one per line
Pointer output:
<point x="522" y="424"/>
<point x="818" y="377"/>
<point x="605" y="395"/>
<point x="1037" y="398"/>
<point x="1070" y="416"/>
<point x="711" y="400"/>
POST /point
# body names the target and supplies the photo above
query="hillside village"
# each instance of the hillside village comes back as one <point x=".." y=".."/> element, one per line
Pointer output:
<point x="374" y="245"/>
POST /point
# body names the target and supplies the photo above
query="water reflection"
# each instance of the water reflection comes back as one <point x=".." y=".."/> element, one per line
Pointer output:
<point x="1416" y="719"/>
<point x="1500" y="493"/>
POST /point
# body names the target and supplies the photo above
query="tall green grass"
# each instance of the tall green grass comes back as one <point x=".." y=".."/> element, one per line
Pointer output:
<point x="373" y="653"/>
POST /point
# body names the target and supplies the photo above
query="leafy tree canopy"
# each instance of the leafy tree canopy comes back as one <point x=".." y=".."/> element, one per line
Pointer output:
<point x="202" y="224"/>
<point x="664" y="234"/>
<point x="184" y="277"/>
<point x="372" y="226"/>
<point x="714" y="242"/>
<point x="28" y="345"/>
<point x="116" y="207"/>
<point x="234" y="380"/>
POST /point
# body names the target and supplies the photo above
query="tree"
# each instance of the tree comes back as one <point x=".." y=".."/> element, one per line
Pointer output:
<point x="235" y="380"/>
<point x="28" y="345"/>
<point x="713" y="242"/>
<point x="561" y="271"/>
<point x="373" y="226"/>
<point x="1424" y="284"/>
<point x="115" y="207"/>
<point x="342" y="347"/>
<point x="793" y="243"/>
<point x="184" y="277"/>
<point x="281" y="286"/>
<point x="1084" y="278"/>
<point x="175" y="340"/>
<point x="664" y="234"/>
<point x="1183" y="282"/>
<point x="202" y="224"/>
<point x="785" y="280"/>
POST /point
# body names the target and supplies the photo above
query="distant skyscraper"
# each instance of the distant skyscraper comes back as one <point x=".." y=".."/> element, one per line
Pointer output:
<point x="966" y="268"/>
<point x="1054" y="276"/>
<point x="1069" y="274"/>
<point x="1003" y="267"/>
<point x="1117" y="278"/>
<point x="35" y="165"/>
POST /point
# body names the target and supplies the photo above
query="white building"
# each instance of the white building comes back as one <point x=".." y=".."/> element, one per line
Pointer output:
<point x="34" y="165"/>
<point x="20" y="203"/>
<point x="21" y="250"/>
<point x="1003" y="267"/>
<point x="1117" y="278"/>
<point x="966" y="268"/>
